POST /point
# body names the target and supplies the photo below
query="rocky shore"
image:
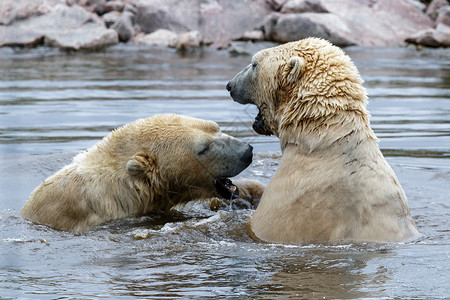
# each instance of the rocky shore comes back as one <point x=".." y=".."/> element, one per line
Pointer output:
<point x="189" y="24"/>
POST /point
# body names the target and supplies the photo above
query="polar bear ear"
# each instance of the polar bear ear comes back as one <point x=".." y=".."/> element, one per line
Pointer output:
<point x="142" y="165"/>
<point x="294" y="69"/>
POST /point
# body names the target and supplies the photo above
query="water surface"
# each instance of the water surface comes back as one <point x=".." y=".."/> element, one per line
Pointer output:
<point x="55" y="104"/>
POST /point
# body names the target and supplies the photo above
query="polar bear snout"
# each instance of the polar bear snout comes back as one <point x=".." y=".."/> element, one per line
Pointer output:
<point x="239" y="86"/>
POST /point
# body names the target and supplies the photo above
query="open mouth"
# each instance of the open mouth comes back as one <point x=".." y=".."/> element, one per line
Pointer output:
<point x="226" y="188"/>
<point x="259" y="125"/>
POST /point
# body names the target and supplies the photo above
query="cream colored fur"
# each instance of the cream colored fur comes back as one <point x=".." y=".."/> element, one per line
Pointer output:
<point x="333" y="183"/>
<point x="150" y="164"/>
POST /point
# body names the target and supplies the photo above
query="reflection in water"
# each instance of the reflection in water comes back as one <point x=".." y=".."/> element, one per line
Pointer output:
<point x="54" y="104"/>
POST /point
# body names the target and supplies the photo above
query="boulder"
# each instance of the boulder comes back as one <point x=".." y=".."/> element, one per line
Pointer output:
<point x="66" y="27"/>
<point x="218" y="21"/>
<point x="381" y="22"/>
<point x="15" y="10"/>
<point x="434" y="8"/>
<point x="226" y="20"/>
<point x="283" y="28"/>
<point x="442" y="35"/>
<point x="439" y="37"/>
<point x="301" y="6"/>
<point x="124" y="26"/>
<point x="95" y="6"/>
<point x="173" y="15"/>
<point x="111" y="17"/>
<point x="444" y="16"/>
<point x="88" y="36"/>
<point x="12" y="36"/>
<point x="189" y="41"/>
<point x="161" y="37"/>
<point x="113" y="5"/>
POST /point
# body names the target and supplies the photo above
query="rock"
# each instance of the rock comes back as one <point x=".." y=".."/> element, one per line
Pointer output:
<point x="381" y="22"/>
<point x="189" y="41"/>
<point x="218" y="21"/>
<point x="88" y="36"/>
<point x="173" y="15"/>
<point x="424" y="38"/>
<point x="125" y="24"/>
<point x="114" y="5"/>
<point x="442" y="35"/>
<point x="276" y="4"/>
<point x="226" y="20"/>
<point x="252" y="35"/>
<point x="417" y="4"/>
<point x="300" y="6"/>
<point x="444" y="16"/>
<point x="95" y="6"/>
<point x="283" y="28"/>
<point x="66" y="27"/>
<point x="15" y="10"/>
<point x="439" y="37"/>
<point x="161" y="37"/>
<point x="11" y="36"/>
<point x="111" y="17"/>
<point x="434" y="8"/>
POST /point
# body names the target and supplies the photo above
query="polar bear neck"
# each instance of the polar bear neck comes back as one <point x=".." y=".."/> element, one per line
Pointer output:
<point x="325" y="134"/>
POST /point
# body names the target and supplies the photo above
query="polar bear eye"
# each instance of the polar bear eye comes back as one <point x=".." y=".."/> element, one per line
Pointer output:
<point x="254" y="65"/>
<point x="205" y="149"/>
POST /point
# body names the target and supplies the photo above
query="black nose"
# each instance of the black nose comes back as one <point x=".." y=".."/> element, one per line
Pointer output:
<point x="229" y="86"/>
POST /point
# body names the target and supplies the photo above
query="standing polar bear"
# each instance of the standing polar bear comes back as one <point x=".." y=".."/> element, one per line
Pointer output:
<point x="148" y="165"/>
<point x="333" y="183"/>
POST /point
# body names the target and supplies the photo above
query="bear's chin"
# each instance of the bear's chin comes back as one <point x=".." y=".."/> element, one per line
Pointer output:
<point x="226" y="189"/>
<point x="260" y="127"/>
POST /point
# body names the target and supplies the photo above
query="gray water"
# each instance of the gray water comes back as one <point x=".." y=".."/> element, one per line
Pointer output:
<point x="55" y="104"/>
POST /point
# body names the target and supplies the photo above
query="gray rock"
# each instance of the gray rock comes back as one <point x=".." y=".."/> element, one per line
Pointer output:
<point x="88" y="36"/>
<point x="111" y="17"/>
<point x="444" y="16"/>
<point x="424" y="38"/>
<point x="300" y="6"/>
<point x="439" y="37"/>
<point x="12" y="36"/>
<point x="189" y="41"/>
<point x="218" y="21"/>
<point x="161" y="37"/>
<point x="95" y="6"/>
<point x="434" y="8"/>
<point x="291" y="27"/>
<point x="276" y="4"/>
<point x="381" y="22"/>
<point x="114" y="5"/>
<point x="16" y="10"/>
<point x="124" y="26"/>
<point x="252" y="35"/>
<point x="442" y="35"/>
<point x="227" y="20"/>
<point x="66" y="27"/>
<point x="174" y="15"/>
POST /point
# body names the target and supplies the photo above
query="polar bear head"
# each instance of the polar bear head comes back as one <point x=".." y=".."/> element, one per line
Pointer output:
<point x="298" y="84"/>
<point x="179" y="157"/>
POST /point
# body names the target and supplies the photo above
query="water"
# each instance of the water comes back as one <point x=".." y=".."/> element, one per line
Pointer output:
<point x="55" y="104"/>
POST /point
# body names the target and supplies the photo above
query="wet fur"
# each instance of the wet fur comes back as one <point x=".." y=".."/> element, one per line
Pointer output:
<point x="150" y="164"/>
<point x="333" y="183"/>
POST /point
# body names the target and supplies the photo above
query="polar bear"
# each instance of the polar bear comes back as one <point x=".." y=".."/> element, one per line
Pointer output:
<point x="148" y="165"/>
<point x="333" y="183"/>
